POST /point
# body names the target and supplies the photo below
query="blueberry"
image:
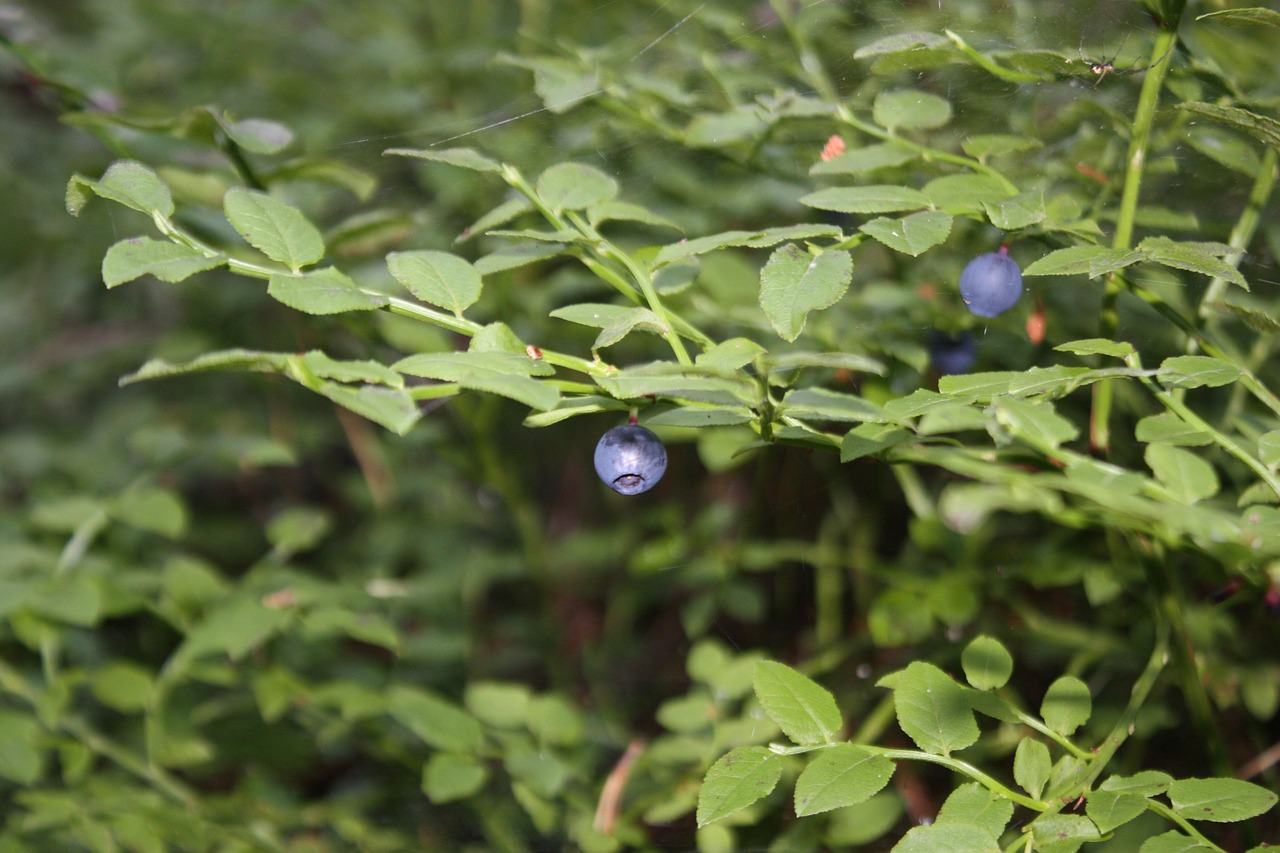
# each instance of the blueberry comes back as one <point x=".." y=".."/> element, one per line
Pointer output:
<point x="952" y="353"/>
<point x="630" y="459"/>
<point x="991" y="284"/>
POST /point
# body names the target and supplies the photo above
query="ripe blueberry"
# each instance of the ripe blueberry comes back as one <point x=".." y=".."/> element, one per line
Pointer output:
<point x="952" y="353"/>
<point x="991" y="284"/>
<point x="630" y="459"/>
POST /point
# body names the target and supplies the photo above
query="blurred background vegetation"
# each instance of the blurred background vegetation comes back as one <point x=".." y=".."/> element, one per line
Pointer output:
<point x="474" y="559"/>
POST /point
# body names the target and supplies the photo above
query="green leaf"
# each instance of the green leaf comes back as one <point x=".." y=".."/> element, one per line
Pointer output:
<point x="951" y="838"/>
<point x="868" y="158"/>
<point x="1067" y="705"/>
<point x="139" y="256"/>
<point x="1019" y="211"/>
<point x="1063" y="833"/>
<point x="1225" y="148"/>
<point x="297" y="529"/>
<point x="448" y="777"/>
<point x="234" y="628"/>
<point x="150" y="508"/>
<point x="1252" y="16"/>
<point x="21" y="759"/>
<point x="323" y="291"/>
<point x="840" y="776"/>
<point x="737" y="780"/>
<point x="804" y="710"/>
<point x="1269" y="448"/>
<point x="1203" y="258"/>
<point x="634" y="319"/>
<point x="974" y="805"/>
<point x="463" y="158"/>
<point x="438" y="278"/>
<point x="985" y="146"/>
<point x="1186" y="475"/>
<point x="821" y="404"/>
<point x="880" y="198"/>
<point x="932" y="709"/>
<point x="1098" y="346"/>
<point x="717" y="130"/>
<point x="965" y="193"/>
<point x="1265" y="130"/>
<point x="615" y="211"/>
<point x="274" y="228"/>
<point x="829" y="360"/>
<point x="73" y="599"/>
<point x="126" y="182"/>
<point x="1093" y="261"/>
<point x="794" y="283"/>
<point x="911" y="235"/>
<point x="1031" y="766"/>
<point x="1146" y="783"/>
<point x="512" y="257"/>
<point x="501" y="704"/>
<point x="869" y="438"/>
<point x="233" y="359"/>
<point x="1109" y="810"/>
<point x="700" y="246"/>
<point x="730" y="354"/>
<point x="1219" y="800"/>
<point x="987" y="663"/>
<point x="122" y="686"/>
<point x="1168" y="428"/>
<point x="1036" y="422"/>
<point x="438" y="723"/>
<point x="1196" y="371"/>
<point x="573" y="186"/>
<point x="390" y="408"/>
<point x="1172" y="842"/>
<point x="259" y="135"/>
<point x="910" y="109"/>
<point x="321" y="365"/>
<point x="699" y="416"/>
<point x="900" y="43"/>
<point x="505" y="374"/>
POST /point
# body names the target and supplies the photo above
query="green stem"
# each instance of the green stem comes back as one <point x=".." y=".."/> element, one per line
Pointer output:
<point x="1033" y="723"/>
<point x="1186" y="825"/>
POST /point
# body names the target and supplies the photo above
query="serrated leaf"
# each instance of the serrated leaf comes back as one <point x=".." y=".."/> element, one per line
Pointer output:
<point x="139" y="256"/>
<point x="1186" y="475"/>
<point x="1264" y="129"/>
<point x="910" y="109"/>
<point x="1195" y="257"/>
<point x="438" y="278"/>
<point x="614" y="211"/>
<point x="1219" y="800"/>
<point x="825" y="405"/>
<point x="1063" y="833"/>
<point x="1093" y="261"/>
<point x="1147" y="783"/>
<point x="1253" y="16"/>
<point x="233" y="359"/>
<point x="1031" y="766"/>
<point x="869" y="438"/>
<point x="504" y="374"/>
<point x="437" y="722"/>
<point x="879" y="198"/>
<point x="126" y="182"/>
<point x="840" y="776"/>
<point x="573" y="186"/>
<point x="274" y="228"/>
<point x="321" y="365"/>
<point x="1019" y="211"/>
<point x="1167" y="428"/>
<point x="911" y="235"/>
<point x="391" y="408"/>
<point x="1036" y="422"/>
<point x="951" y="838"/>
<point x="1098" y="346"/>
<point x="737" y="780"/>
<point x="1172" y="842"/>
<point x="932" y="709"/>
<point x="463" y="158"/>
<point x="965" y="193"/>
<point x="324" y="291"/>
<point x="695" y="417"/>
<point x="1196" y="371"/>
<point x="900" y="43"/>
<point x="1109" y="810"/>
<point x="974" y="805"/>
<point x="803" y="709"/>
<point x="511" y="257"/>
<point x="868" y="158"/>
<point x="987" y="663"/>
<point x="794" y="283"/>
<point x="1067" y="705"/>
<point x="635" y="319"/>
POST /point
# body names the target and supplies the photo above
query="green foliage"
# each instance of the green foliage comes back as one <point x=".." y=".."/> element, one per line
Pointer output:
<point x="233" y="621"/>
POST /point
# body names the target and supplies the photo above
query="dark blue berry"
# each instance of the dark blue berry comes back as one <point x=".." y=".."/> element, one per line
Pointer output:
<point x="952" y="353"/>
<point x="630" y="459"/>
<point x="991" y="284"/>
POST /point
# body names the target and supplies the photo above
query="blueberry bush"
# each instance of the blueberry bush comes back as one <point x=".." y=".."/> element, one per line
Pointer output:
<point x="927" y="347"/>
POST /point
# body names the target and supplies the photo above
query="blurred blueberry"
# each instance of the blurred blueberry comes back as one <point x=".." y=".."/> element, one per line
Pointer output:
<point x="630" y="459"/>
<point x="952" y="353"/>
<point x="991" y="284"/>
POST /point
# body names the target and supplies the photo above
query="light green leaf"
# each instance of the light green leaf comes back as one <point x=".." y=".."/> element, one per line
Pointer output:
<point x="987" y="663"/>
<point x="448" y="777"/>
<point x="737" y="780"/>
<point x="932" y="709"/>
<point x="122" y="686"/>
<point x="297" y="529"/>
<point x="974" y="805"/>
<point x="390" y="408"/>
<point x="570" y="407"/>
<point x="730" y="354"/>
<point x="900" y="43"/>
<point x="1252" y="16"/>
<point x="1109" y="810"/>
<point x="126" y="182"/>
<point x="259" y="135"/>
<point x="965" y="193"/>
<point x="1067" y="705"/>
<point x="782" y="233"/>
<point x="699" y="416"/>
<point x="274" y="228"/>
<point x="1098" y="346"/>
<point x="1031" y="766"/>
<point x="1172" y="842"/>
<point x="1266" y="130"/>
<point x="500" y="215"/>
<point x="1196" y="371"/>
<point x="700" y="246"/>
<point x="323" y="291"/>
<point x="1147" y="783"/>
<point x="869" y="438"/>
<point x="463" y="158"/>
<point x="573" y="186"/>
<point x="438" y="723"/>
<point x="910" y="109"/>
<point x="1036" y="422"/>
<point x="804" y="710"/>
<point x="139" y="256"/>
<point x="1203" y="258"/>
<point x="1269" y="448"/>
<point x="233" y="359"/>
<point x="511" y="257"/>
<point x="868" y="158"/>
<point x="151" y="508"/>
<point x="438" y="278"/>
<point x="21" y="759"/>
<point x="634" y="319"/>
<point x="505" y="374"/>
<point x="841" y="776"/>
<point x="1093" y="261"/>
<point x="794" y="283"/>
<point x="501" y="704"/>
<point x="1219" y="800"/>
<point x="234" y="628"/>
<point x="951" y="838"/>
<point x="320" y="365"/>
<point x="1186" y="475"/>
<point x="1063" y="833"/>
<point x="1019" y="211"/>
<point x="985" y="146"/>
<point x="880" y="198"/>
<point x="829" y="360"/>
<point x="912" y="234"/>
<point x="1167" y="428"/>
<point x="614" y="211"/>
<point x="718" y="130"/>
<point x="821" y="404"/>
<point x="667" y="379"/>
<point x="74" y="599"/>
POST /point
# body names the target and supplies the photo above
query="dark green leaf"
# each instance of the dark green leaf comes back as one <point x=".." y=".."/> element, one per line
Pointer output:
<point x="1196" y="257"/>
<point x="951" y="838"/>
<point x="1265" y="130"/>
<point x="870" y="438"/>
<point x="1172" y="842"/>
